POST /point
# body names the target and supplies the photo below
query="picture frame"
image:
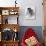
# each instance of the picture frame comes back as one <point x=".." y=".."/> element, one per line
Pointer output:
<point x="30" y="13"/>
<point x="5" y="12"/>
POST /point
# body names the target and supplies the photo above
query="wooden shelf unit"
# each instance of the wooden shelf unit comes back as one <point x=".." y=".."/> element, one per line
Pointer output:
<point x="15" y="11"/>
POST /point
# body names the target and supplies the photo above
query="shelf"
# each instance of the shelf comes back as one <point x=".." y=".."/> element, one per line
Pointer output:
<point x="11" y="41"/>
<point x="10" y="26"/>
<point x="11" y="15"/>
<point x="5" y="8"/>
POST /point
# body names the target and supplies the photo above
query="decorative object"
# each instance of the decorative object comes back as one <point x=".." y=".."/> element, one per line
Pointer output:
<point x="30" y="13"/>
<point x="15" y="30"/>
<point x="5" y="12"/>
<point x="13" y="12"/>
<point x="6" y="21"/>
<point x="31" y="41"/>
<point x="30" y="38"/>
<point x="15" y="37"/>
<point x="15" y="34"/>
<point x="7" y="34"/>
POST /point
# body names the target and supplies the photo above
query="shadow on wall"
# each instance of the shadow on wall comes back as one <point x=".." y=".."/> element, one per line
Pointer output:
<point x="37" y="29"/>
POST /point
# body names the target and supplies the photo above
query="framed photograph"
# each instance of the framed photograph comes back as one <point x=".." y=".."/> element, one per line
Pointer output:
<point x="5" y="12"/>
<point x="30" y="13"/>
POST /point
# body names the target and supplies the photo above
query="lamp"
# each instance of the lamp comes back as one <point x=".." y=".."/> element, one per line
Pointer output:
<point x="15" y="3"/>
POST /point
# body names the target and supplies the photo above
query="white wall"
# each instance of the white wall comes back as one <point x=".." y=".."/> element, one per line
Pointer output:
<point x="23" y="4"/>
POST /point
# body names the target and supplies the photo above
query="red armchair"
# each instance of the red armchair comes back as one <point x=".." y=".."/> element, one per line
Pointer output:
<point x="28" y="34"/>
